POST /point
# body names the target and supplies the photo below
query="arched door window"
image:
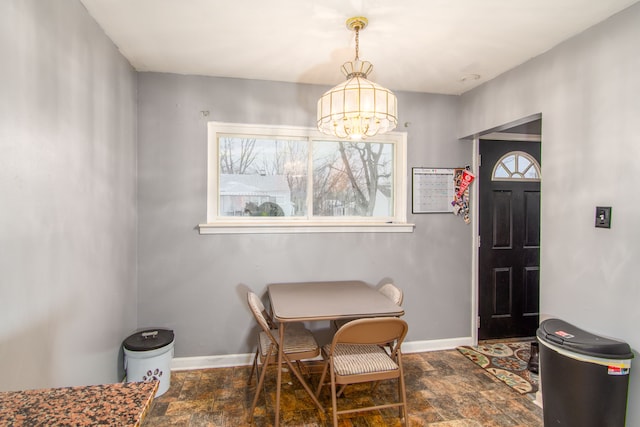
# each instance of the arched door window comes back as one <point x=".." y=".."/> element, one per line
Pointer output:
<point x="516" y="166"/>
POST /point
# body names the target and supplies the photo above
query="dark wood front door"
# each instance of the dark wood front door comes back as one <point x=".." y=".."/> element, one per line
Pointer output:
<point x="509" y="254"/>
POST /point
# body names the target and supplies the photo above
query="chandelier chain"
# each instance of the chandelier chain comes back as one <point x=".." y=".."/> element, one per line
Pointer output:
<point x="357" y="28"/>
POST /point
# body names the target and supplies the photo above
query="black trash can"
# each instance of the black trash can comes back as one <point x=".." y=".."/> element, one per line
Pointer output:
<point x="584" y="377"/>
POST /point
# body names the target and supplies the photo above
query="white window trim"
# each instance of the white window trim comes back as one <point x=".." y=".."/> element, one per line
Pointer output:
<point x="517" y="176"/>
<point x="219" y="225"/>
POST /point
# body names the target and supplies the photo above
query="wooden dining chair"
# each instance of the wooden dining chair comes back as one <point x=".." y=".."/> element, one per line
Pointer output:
<point x="389" y="290"/>
<point x="358" y="353"/>
<point x="299" y="344"/>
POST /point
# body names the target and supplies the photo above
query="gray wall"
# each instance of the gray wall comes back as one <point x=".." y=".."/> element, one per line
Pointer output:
<point x="587" y="91"/>
<point x="192" y="283"/>
<point x="67" y="197"/>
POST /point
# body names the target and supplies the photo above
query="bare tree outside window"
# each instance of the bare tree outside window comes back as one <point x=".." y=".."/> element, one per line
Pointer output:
<point x="270" y="177"/>
<point x="236" y="155"/>
<point x="353" y="179"/>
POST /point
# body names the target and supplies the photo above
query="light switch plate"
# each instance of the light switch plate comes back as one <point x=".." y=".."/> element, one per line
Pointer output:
<point x="603" y="216"/>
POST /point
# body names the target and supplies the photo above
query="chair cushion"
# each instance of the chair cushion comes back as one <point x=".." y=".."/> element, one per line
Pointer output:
<point x="354" y="359"/>
<point x="296" y="340"/>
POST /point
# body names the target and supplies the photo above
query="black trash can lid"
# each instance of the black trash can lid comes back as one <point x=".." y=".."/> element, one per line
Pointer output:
<point x="566" y="336"/>
<point x="148" y="340"/>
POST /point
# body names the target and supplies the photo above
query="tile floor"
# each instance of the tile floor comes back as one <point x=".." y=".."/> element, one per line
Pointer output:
<point x="444" y="389"/>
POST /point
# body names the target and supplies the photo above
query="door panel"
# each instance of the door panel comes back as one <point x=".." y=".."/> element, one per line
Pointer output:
<point x="531" y="291"/>
<point x="509" y="272"/>
<point x="502" y="224"/>
<point x="502" y="292"/>
<point x="532" y="219"/>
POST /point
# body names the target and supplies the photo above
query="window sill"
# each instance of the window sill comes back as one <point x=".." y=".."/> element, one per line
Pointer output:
<point x="294" y="227"/>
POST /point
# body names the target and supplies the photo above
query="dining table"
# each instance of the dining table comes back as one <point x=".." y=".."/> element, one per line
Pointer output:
<point x="318" y="301"/>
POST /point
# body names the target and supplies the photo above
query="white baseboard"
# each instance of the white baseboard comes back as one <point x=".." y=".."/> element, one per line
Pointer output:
<point x="435" y="345"/>
<point x="205" y="362"/>
<point x="538" y="400"/>
<point x="229" y="360"/>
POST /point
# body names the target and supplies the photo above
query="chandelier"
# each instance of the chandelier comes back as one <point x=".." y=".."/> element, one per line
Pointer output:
<point x="357" y="108"/>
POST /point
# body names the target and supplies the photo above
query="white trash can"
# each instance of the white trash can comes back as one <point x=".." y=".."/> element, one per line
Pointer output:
<point x="147" y="357"/>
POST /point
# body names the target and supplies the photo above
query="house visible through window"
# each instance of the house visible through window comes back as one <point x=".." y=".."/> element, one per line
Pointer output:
<point x="261" y="176"/>
<point x="270" y="174"/>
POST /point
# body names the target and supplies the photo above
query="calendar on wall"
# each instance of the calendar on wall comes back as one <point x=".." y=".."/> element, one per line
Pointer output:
<point x="433" y="190"/>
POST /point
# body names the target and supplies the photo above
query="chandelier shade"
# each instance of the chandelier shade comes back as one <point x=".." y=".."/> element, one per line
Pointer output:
<point x="357" y="108"/>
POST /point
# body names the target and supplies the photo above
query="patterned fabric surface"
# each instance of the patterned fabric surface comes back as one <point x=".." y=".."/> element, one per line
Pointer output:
<point x="353" y="359"/>
<point x="507" y="361"/>
<point x="296" y="340"/>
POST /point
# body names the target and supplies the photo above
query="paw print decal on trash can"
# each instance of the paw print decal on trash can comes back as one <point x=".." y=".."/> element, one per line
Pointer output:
<point x="155" y="375"/>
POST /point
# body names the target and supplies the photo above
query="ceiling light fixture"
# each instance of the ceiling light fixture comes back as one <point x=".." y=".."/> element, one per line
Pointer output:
<point x="357" y="108"/>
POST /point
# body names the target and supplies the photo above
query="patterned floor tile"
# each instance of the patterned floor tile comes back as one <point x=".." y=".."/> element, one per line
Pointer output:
<point x="443" y="390"/>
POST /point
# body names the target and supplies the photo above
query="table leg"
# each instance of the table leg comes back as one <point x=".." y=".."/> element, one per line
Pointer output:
<point x="279" y="376"/>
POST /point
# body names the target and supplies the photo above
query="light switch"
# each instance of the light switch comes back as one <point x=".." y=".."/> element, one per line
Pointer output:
<point x="603" y="216"/>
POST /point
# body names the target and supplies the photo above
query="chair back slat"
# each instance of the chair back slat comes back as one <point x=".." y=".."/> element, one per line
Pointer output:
<point x="378" y="330"/>
<point x="258" y="310"/>
<point x="392" y="292"/>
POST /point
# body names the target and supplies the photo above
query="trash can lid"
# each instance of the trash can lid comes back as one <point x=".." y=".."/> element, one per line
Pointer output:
<point x="148" y="340"/>
<point x="566" y="336"/>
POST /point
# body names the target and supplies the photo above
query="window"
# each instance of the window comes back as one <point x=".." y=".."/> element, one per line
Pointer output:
<point x="282" y="179"/>
<point x="516" y="166"/>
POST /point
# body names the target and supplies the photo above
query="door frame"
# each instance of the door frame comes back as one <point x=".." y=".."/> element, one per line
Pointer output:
<point x="475" y="211"/>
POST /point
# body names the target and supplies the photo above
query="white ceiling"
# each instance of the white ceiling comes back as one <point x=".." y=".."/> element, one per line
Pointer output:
<point x="415" y="45"/>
